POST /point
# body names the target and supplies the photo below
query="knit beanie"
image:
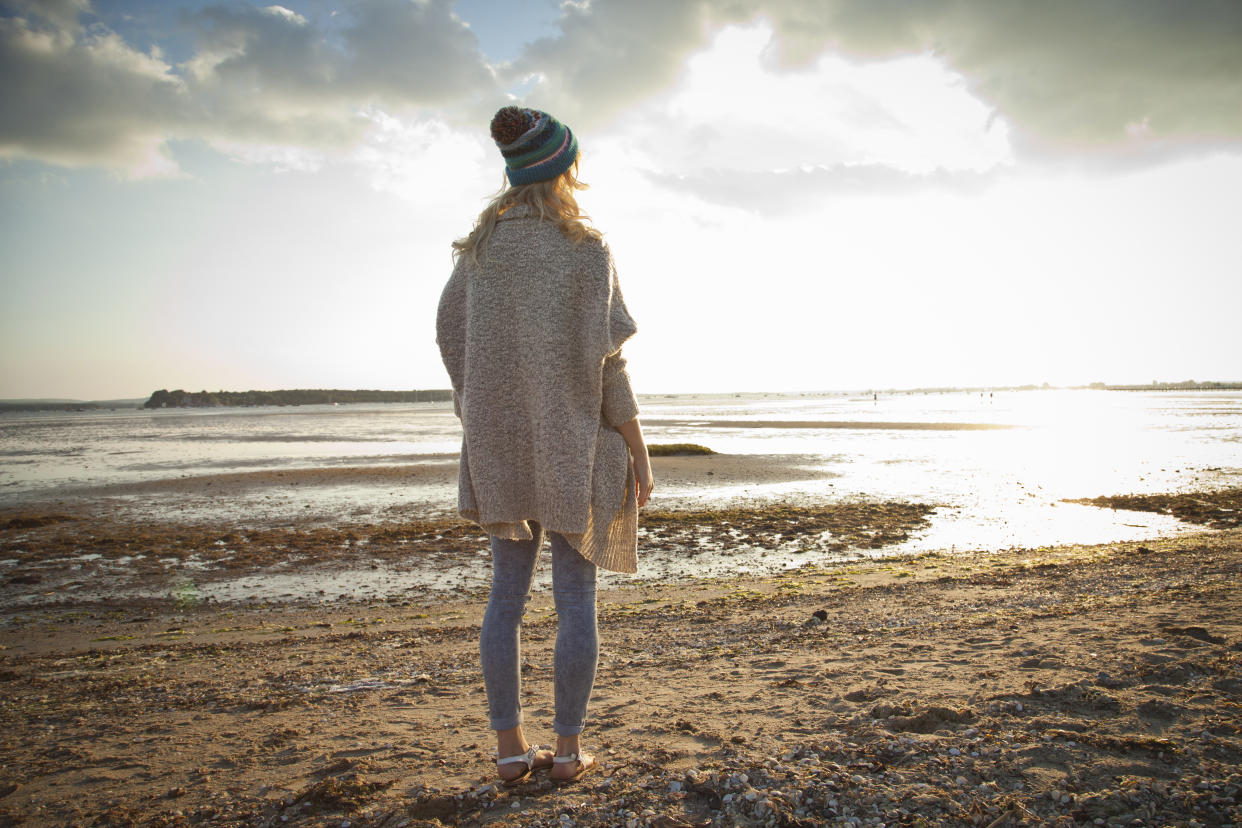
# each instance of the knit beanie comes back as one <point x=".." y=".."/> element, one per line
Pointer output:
<point x="536" y="146"/>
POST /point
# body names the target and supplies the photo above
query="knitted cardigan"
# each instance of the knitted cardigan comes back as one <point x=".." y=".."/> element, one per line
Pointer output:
<point x="531" y="336"/>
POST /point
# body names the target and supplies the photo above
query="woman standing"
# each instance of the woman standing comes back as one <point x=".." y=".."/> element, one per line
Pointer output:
<point x="530" y="328"/>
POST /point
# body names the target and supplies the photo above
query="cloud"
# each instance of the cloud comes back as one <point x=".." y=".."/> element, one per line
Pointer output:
<point x="788" y="192"/>
<point x="1068" y="77"/>
<point x="608" y="56"/>
<point x="1143" y="80"/>
<point x="77" y="94"/>
<point x="428" y="162"/>
<point x="395" y="52"/>
<point x="417" y="53"/>
<point x="74" y="97"/>
<point x="63" y="14"/>
<point x="740" y="133"/>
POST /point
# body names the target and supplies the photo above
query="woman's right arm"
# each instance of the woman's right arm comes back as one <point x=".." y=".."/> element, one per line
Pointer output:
<point x="644" y="479"/>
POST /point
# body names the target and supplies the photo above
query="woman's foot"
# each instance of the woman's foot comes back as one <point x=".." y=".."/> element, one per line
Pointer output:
<point x="516" y="759"/>
<point x="516" y="769"/>
<point x="566" y="769"/>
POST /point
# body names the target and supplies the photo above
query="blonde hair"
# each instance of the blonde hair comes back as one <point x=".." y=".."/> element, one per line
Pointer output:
<point x="551" y="200"/>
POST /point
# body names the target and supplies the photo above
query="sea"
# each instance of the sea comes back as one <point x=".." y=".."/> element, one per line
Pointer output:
<point x="999" y="466"/>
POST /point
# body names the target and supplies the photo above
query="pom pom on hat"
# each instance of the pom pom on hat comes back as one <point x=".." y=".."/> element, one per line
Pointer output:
<point x="535" y="146"/>
<point x="509" y="124"/>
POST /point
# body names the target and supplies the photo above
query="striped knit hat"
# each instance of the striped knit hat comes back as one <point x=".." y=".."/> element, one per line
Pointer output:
<point x="536" y="146"/>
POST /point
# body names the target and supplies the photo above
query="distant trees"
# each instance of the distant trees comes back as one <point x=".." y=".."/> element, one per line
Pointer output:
<point x="314" y="396"/>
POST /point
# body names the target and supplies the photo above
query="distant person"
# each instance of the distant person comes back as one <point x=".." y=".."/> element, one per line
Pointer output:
<point x="530" y="328"/>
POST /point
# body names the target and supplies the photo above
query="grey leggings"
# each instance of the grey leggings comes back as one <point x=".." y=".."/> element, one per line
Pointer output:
<point x="577" y="640"/>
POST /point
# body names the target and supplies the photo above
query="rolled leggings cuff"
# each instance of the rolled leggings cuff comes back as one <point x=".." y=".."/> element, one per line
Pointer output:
<point x="507" y="723"/>
<point x="567" y="730"/>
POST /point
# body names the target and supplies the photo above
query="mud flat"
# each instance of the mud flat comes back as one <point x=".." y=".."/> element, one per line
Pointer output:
<point x="87" y="558"/>
<point x="1064" y="686"/>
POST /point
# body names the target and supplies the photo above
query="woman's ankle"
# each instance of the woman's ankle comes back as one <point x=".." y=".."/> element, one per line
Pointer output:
<point x="565" y="745"/>
<point x="511" y="742"/>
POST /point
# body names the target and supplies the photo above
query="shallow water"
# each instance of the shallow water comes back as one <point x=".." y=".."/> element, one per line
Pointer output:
<point x="1000" y="487"/>
<point x="997" y="487"/>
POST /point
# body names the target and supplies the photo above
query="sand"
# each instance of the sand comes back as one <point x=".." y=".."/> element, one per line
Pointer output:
<point x="1069" y="686"/>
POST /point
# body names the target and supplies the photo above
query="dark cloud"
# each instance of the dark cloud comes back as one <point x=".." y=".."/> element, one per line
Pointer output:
<point x="415" y="52"/>
<point x="609" y="55"/>
<point x="788" y="192"/>
<point x="74" y="96"/>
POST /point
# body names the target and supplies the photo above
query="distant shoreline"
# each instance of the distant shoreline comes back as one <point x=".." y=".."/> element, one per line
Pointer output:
<point x="68" y="405"/>
<point x="210" y="399"/>
<point x="298" y="396"/>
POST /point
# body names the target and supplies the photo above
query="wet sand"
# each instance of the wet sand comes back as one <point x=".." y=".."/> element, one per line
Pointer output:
<point x="1069" y="686"/>
<point x="58" y="559"/>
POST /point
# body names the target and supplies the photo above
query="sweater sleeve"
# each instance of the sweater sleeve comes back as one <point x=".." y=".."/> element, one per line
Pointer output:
<point x="451" y="331"/>
<point x="621" y="325"/>
<point x="619" y="405"/>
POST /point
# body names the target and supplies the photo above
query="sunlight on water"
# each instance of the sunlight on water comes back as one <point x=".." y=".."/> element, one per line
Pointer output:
<point x="1001" y="487"/>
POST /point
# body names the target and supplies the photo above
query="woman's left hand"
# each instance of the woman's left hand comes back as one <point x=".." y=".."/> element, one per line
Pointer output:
<point x="644" y="480"/>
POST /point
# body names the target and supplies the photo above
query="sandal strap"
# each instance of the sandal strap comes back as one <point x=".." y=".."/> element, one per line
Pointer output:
<point x="565" y="760"/>
<point x="527" y="758"/>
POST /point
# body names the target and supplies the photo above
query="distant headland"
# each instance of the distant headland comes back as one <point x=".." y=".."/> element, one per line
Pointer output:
<point x="300" y="396"/>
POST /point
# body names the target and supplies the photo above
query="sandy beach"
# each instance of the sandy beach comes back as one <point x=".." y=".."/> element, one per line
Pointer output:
<point x="1091" y="685"/>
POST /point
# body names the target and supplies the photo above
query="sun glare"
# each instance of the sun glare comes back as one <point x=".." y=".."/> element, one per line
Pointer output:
<point x="913" y="113"/>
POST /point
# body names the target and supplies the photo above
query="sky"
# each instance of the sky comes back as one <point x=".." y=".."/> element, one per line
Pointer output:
<point x="800" y="195"/>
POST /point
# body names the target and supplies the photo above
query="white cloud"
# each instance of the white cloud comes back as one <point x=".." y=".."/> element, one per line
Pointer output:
<point x="738" y="132"/>
<point x="282" y="158"/>
<point x="911" y="114"/>
<point x="784" y="192"/>
<point x="426" y="161"/>
<point x="288" y="14"/>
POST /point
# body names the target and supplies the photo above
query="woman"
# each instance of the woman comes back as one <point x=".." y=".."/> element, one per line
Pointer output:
<point x="530" y="327"/>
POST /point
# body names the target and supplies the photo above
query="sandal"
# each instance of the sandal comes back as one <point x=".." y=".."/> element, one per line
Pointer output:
<point x="527" y="759"/>
<point x="586" y="764"/>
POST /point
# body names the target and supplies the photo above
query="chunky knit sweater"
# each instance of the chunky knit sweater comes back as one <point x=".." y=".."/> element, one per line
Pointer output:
<point x="531" y="336"/>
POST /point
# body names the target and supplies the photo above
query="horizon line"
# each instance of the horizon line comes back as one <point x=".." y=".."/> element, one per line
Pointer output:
<point x="1098" y="384"/>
